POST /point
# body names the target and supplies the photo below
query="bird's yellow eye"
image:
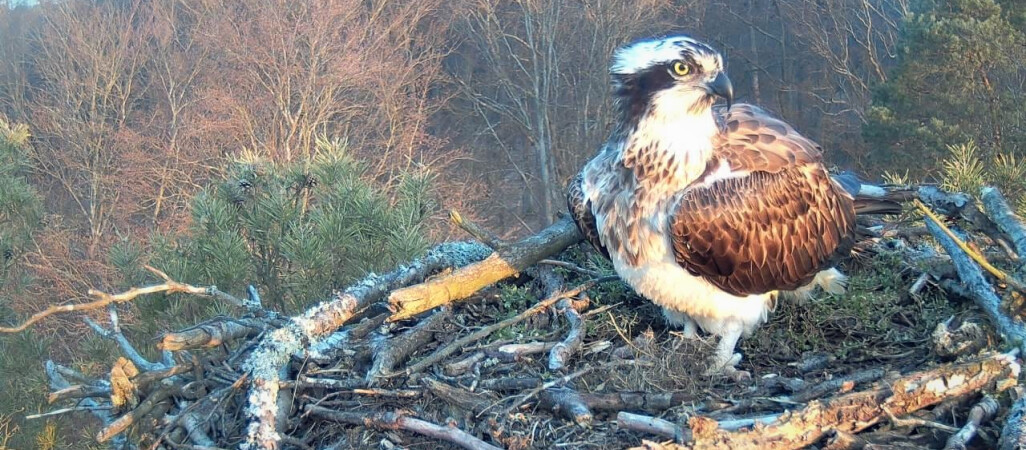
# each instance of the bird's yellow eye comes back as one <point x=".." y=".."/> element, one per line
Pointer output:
<point x="681" y="68"/>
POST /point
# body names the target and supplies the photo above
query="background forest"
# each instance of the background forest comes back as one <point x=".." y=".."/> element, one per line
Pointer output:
<point x="299" y="145"/>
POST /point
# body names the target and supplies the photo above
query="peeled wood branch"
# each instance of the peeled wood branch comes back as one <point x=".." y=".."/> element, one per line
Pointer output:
<point x="503" y="263"/>
<point x="855" y="412"/>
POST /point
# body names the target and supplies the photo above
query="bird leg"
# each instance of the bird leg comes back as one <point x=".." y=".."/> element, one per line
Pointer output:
<point x="724" y="360"/>
<point x="677" y="319"/>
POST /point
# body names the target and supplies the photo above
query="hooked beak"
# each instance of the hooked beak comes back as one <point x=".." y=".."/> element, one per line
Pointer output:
<point x="721" y="87"/>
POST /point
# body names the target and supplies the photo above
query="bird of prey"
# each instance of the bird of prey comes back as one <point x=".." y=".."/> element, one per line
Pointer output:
<point x="710" y="212"/>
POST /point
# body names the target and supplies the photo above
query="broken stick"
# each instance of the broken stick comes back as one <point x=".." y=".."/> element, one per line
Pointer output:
<point x="851" y="413"/>
<point x="504" y="263"/>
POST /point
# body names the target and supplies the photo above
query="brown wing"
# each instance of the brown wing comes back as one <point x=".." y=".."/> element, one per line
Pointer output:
<point x="775" y="223"/>
<point x="580" y="210"/>
<point x="752" y="140"/>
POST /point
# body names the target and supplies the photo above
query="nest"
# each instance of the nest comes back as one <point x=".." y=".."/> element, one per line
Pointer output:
<point x="440" y="353"/>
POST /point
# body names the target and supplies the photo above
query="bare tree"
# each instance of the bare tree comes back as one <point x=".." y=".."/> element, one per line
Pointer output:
<point x="534" y="75"/>
<point x="88" y="59"/>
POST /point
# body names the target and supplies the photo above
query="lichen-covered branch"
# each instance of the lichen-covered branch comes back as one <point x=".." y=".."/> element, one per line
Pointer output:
<point x="307" y="329"/>
<point x="997" y="208"/>
<point x="1013" y="331"/>
<point x="1013" y="433"/>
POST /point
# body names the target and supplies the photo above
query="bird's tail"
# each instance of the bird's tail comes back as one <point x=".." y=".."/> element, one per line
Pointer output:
<point x="872" y="205"/>
<point x="869" y="198"/>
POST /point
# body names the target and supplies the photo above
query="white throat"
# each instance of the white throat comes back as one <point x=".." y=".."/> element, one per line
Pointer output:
<point x="678" y="142"/>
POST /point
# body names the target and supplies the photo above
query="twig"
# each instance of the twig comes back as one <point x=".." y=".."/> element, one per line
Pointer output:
<point x="344" y="384"/>
<point x="976" y="256"/>
<point x="565" y="379"/>
<point x="399" y="421"/>
<point x="103" y="299"/>
<point x="486" y="237"/>
<point x="460" y="343"/>
<point x="646" y="401"/>
<point x="967" y="338"/>
<point x="56" y="373"/>
<point x="58" y="412"/>
<point x="128" y="419"/>
<point x="563" y="351"/>
<point x="527" y="348"/>
<point x="462" y="366"/>
<point x="811" y="362"/>
<point x="572" y="267"/>
<point x="194" y="428"/>
<point x="915" y="422"/>
<point x="836" y="385"/>
<point x="982" y="412"/>
<point x="958" y="204"/>
<point x="919" y="284"/>
<point x="78" y="391"/>
<point x="126" y="347"/>
<point x="475" y="402"/>
<point x="1014" y="332"/>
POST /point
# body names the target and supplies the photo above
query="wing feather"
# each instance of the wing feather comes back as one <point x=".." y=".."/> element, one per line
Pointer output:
<point x="580" y="210"/>
<point x="772" y="225"/>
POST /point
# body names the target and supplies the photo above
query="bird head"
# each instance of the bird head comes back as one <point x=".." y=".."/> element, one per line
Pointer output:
<point x="668" y="76"/>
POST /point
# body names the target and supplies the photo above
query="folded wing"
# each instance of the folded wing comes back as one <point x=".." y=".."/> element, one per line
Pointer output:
<point x="765" y="215"/>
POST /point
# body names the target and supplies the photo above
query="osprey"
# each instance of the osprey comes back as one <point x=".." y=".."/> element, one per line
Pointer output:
<point x="709" y="212"/>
